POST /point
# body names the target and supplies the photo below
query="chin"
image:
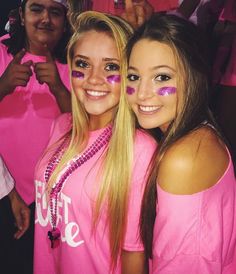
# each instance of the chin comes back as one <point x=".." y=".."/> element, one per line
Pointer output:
<point x="146" y="125"/>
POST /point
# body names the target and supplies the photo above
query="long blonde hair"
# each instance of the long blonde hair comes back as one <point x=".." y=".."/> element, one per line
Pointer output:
<point x="117" y="162"/>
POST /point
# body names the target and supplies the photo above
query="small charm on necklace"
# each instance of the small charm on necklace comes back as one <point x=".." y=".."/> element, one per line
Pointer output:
<point x="53" y="236"/>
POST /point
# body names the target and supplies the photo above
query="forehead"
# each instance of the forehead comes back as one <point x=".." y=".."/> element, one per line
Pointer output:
<point x="94" y="43"/>
<point x="46" y="3"/>
<point x="147" y="54"/>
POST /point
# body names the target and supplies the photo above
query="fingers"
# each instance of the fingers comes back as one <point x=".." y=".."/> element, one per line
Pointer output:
<point x="48" y="54"/>
<point x="22" y="222"/>
<point x="129" y="13"/>
<point x="140" y="15"/>
<point x="47" y="72"/>
<point x="18" y="57"/>
<point x="23" y="73"/>
<point x="43" y="70"/>
<point x="135" y="12"/>
<point x="128" y="5"/>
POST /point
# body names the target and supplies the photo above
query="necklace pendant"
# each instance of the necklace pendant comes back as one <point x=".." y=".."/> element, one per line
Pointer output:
<point x="54" y="236"/>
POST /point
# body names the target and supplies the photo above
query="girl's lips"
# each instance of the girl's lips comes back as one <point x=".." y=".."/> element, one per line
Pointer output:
<point x="95" y="94"/>
<point x="148" y="109"/>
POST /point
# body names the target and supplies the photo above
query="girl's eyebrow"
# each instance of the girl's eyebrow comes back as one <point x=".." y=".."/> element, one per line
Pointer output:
<point x="154" y="68"/>
<point x="81" y="56"/>
<point x="163" y="66"/>
<point x="133" y="68"/>
<point x="106" y="59"/>
<point x="111" y="59"/>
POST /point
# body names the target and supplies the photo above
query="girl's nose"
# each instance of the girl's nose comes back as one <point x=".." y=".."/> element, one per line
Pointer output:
<point x="96" y="77"/>
<point x="145" y="90"/>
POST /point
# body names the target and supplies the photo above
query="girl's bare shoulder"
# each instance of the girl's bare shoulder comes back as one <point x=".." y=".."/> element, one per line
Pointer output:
<point x="194" y="163"/>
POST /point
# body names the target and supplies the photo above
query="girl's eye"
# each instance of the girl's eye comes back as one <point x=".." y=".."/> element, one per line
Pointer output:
<point x="162" y="78"/>
<point x="36" y="9"/>
<point x="56" y="12"/>
<point x="81" y="64"/>
<point x="132" y="77"/>
<point x="112" y="67"/>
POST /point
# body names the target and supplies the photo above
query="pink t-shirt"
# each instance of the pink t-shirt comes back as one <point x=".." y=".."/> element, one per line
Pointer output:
<point x="229" y="11"/>
<point x="81" y="251"/>
<point x="109" y="7"/>
<point x="26" y="116"/>
<point x="6" y="181"/>
<point x="197" y="233"/>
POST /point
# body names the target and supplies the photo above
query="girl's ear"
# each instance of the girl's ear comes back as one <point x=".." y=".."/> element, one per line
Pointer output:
<point x="21" y="17"/>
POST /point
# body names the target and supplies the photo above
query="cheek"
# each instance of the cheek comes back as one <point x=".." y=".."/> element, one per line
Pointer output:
<point x="60" y="24"/>
<point x="166" y="91"/>
<point x="116" y="92"/>
<point x="113" y="79"/>
<point x="130" y="90"/>
<point x="76" y="85"/>
<point x="77" y="74"/>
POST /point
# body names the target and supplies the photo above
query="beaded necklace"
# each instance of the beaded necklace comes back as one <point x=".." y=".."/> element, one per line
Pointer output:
<point x="102" y="140"/>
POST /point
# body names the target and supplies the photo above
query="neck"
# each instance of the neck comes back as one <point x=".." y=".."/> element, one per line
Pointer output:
<point x="39" y="49"/>
<point x="95" y="123"/>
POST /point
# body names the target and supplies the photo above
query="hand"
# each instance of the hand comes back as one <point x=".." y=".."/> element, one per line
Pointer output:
<point x="16" y="74"/>
<point x="137" y="12"/>
<point x="47" y="72"/>
<point x="21" y="213"/>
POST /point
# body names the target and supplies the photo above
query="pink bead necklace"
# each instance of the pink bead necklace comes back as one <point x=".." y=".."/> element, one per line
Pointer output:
<point x="102" y="140"/>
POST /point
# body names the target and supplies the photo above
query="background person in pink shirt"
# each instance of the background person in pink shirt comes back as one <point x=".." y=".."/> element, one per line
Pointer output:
<point x="188" y="222"/>
<point x="34" y="86"/>
<point x="90" y="181"/>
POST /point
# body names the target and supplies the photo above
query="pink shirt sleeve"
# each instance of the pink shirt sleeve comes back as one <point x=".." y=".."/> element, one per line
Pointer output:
<point x="196" y="233"/>
<point x="6" y="181"/>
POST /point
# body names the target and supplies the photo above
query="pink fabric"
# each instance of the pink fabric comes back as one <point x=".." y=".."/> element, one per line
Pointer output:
<point x="229" y="14"/>
<point x="80" y="251"/>
<point x="6" y="181"/>
<point x="108" y="5"/>
<point x="229" y="11"/>
<point x="229" y="77"/>
<point x="26" y="116"/>
<point x="197" y="233"/>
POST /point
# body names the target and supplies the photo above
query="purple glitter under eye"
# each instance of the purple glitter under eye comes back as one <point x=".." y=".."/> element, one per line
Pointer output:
<point x="130" y="90"/>
<point x="112" y="79"/>
<point x="77" y="74"/>
<point x="165" y="91"/>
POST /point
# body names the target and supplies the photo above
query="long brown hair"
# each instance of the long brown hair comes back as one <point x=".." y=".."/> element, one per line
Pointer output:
<point x="188" y="45"/>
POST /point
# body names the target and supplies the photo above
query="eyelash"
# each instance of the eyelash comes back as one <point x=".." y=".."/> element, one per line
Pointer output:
<point x="112" y="67"/>
<point x="81" y="64"/>
<point x="109" y="67"/>
<point x="39" y="10"/>
<point x="158" y="78"/>
<point x="162" y="78"/>
<point x="132" y="77"/>
<point x="56" y="13"/>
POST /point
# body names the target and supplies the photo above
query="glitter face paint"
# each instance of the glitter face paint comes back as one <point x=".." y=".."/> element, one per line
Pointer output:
<point x="77" y="74"/>
<point x="130" y="90"/>
<point x="113" y="79"/>
<point x="165" y="91"/>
